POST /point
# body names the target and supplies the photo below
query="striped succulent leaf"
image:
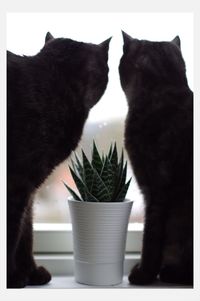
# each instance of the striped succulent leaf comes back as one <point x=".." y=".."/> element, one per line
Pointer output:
<point x="110" y="151"/>
<point x="79" y="167"/>
<point x="91" y="198"/>
<point x="75" y="168"/>
<point x="88" y="172"/>
<point x="97" y="162"/>
<point x="108" y="176"/>
<point x="99" y="189"/>
<point x="121" y="179"/>
<point x="103" y="158"/>
<point x="118" y="175"/>
<point x="82" y="188"/>
<point x="75" y="196"/>
<point x="101" y="180"/>
<point x="114" y="158"/>
<point x="121" y="195"/>
<point x="79" y="184"/>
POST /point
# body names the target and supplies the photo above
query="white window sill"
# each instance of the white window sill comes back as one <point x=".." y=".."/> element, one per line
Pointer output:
<point x="62" y="264"/>
<point x="68" y="282"/>
<point x="61" y="267"/>
<point x="53" y="248"/>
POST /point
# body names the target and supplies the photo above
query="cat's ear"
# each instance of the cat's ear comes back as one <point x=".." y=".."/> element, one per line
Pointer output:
<point x="177" y="41"/>
<point x="105" y="45"/>
<point x="48" y="37"/>
<point x="129" y="41"/>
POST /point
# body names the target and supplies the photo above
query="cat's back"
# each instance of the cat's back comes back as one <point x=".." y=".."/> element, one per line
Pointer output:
<point x="13" y="66"/>
<point x="162" y="111"/>
<point x="162" y="132"/>
<point x="12" y="59"/>
<point x="16" y="65"/>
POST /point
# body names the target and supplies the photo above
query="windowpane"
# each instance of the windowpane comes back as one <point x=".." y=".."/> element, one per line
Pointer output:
<point x="51" y="199"/>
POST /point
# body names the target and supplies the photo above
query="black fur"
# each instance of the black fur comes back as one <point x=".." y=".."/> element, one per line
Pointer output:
<point x="49" y="96"/>
<point x="159" y="142"/>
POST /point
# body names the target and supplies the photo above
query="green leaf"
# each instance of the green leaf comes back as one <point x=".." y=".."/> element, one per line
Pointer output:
<point x="121" y="162"/>
<point x="102" y="179"/>
<point x="110" y="152"/>
<point x="118" y="177"/>
<point x="88" y="172"/>
<point x="79" y="184"/>
<point x="82" y="188"/>
<point x="103" y="158"/>
<point x="120" y="166"/>
<point x="99" y="189"/>
<point x="96" y="159"/>
<point x="90" y="197"/>
<point x="114" y="158"/>
<point x="108" y="176"/>
<point x="74" y="167"/>
<point x="73" y="193"/>
<point x="79" y="168"/>
<point x="121" y="196"/>
<point x="122" y="179"/>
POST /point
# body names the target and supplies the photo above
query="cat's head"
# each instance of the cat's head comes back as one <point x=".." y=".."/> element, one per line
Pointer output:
<point x="84" y="66"/>
<point x="150" y="64"/>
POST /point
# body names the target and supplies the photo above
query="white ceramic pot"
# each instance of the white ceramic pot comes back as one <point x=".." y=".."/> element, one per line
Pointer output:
<point x="99" y="239"/>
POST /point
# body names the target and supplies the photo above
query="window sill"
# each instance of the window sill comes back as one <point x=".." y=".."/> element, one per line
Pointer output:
<point x="68" y="282"/>
<point x="53" y="248"/>
<point x="62" y="264"/>
<point x="61" y="268"/>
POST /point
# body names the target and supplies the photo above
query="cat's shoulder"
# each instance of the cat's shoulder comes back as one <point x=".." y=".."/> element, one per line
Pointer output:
<point x="15" y="60"/>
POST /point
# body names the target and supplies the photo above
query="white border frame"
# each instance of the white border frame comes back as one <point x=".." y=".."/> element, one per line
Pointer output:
<point x="99" y="6"/>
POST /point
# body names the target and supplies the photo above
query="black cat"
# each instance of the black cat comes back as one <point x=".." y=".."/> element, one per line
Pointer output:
<point x="159" y="142"/>
<point x="49" y="96"/>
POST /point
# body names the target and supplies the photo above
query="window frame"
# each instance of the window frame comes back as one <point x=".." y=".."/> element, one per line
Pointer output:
<point x="53" y="247"/>
<point x="52" y="238"/>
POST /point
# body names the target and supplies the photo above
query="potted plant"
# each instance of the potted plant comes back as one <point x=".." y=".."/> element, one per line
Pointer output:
<point x="100" y="215"/>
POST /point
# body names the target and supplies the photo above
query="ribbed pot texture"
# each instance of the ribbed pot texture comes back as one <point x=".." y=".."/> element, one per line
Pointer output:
<point x="99" y="239"/>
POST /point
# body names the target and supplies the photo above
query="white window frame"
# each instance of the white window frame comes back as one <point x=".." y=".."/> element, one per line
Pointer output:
<point x="53" y="247"/>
